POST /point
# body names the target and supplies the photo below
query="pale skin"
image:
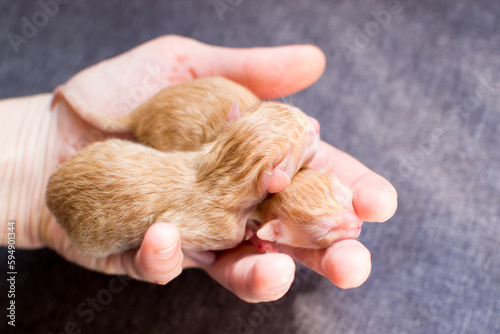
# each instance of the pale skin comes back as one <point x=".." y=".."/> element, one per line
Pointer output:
<point x="119" y="85"/>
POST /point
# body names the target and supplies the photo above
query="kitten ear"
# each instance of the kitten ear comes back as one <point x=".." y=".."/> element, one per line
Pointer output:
<point x="270" y="231"/>
<point x="276" y="180"/>
<point x="234" y="113"/>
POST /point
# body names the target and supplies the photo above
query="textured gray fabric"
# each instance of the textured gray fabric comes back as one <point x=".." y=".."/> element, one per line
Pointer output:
<point x="415" y="97"/>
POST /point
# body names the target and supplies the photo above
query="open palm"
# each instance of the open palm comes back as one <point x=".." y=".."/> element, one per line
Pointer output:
<point x="116" y="86"/>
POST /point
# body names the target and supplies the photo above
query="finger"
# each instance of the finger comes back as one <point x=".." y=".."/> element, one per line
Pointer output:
<point x="135" y="76"/>
<point x="158" y="260"/>
<point x="374" y="198"/>
<point x="253" y="276"/>
<point x="128" y="79"/>
<point x="346" y="263"/>
<point x="270" y="72"/>
<point x="160" y="257"/>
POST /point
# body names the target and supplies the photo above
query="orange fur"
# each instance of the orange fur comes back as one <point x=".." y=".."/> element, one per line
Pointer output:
<point x="110" y="192"/>
<point x="309" y="213"/>
<point x="184" y="116"/>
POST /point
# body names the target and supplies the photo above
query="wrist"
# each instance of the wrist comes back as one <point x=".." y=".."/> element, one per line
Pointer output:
<point x="28" y="131"/>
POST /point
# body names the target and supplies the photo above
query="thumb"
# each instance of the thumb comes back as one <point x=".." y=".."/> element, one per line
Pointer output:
<point x="160" y="257"/>
<point x="269" y="72"/>
<point x="117" y="86"/>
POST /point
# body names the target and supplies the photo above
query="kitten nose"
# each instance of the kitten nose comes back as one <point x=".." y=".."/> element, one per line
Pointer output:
<point x="351" y="223"/>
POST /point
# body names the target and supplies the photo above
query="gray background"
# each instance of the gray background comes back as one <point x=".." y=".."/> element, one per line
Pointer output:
<point x="416" y="100"/>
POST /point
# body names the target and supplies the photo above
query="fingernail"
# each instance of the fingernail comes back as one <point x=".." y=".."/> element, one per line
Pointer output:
<point x="282" y="286"/>
<point x="167" y="253"/>
<point x="287" y="277"/>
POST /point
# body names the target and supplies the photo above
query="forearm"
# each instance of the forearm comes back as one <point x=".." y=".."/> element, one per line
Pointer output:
<point x="27" y="127"/>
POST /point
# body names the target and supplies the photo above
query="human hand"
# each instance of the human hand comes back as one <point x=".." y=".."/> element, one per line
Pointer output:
<point x="346" y="263"/>
<point x="115" y="87"/>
